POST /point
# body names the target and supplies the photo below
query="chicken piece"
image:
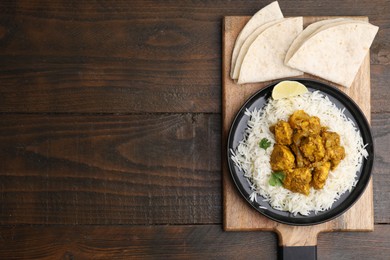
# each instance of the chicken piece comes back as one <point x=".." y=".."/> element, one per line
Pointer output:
<point x="312" y="148"/>
<point x="298" y="180"/>
<point x="314" y="127"/>
<point x="283" y="133"/>
<point x="331" y="139"/>
<point x="311" y="128"/>
<point x="324" y="129"/>
<point x="299" y="120"/>
<point x="299" y="159"/>
<point x="336" y="154"/>
<point x="282" y="158"/>
<point x="304" y="126"/>
<point x="320" y="174"/>
<point x="298" y="135"/>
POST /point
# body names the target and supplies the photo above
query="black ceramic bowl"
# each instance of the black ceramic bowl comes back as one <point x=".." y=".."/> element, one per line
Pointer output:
<point x="352" y="111"/>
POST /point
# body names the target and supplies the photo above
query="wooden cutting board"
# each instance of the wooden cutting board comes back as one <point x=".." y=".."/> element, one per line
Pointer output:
<point x="238" y="214"/>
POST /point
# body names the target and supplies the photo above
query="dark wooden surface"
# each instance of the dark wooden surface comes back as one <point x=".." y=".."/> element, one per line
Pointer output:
<point x="110" y="131"/>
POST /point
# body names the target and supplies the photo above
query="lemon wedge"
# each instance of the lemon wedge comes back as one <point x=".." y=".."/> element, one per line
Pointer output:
<point x="288" y="88"/>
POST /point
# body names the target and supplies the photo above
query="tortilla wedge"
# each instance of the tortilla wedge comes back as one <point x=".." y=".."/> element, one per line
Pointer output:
<point x="247" y="43"/>
<point x="268" y="13"/>
<point x="306" y="33"/>
<point x="335" y="51"/>
<point x="264" y="59"/>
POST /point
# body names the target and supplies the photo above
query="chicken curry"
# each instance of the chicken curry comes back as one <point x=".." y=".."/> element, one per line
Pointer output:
<point x="305" y="152"/>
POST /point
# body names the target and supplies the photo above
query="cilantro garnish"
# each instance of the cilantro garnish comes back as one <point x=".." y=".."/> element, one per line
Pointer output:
<point x="264" y="143"/>
<point x="276" y="179"/>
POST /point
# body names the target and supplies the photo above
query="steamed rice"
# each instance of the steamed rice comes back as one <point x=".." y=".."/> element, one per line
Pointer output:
<point x="254" y="161"/>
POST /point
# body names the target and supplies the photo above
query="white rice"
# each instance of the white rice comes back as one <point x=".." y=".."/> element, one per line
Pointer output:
<point x="255" y="161"/>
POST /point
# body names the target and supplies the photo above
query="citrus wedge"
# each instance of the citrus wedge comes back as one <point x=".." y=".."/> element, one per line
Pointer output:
<point x="287" y="88"/>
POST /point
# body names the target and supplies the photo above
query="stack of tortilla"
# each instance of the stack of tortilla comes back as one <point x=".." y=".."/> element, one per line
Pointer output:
<point x="271" y="47"/>
<point x="261" y="46"/>
<point x="332" y="49"/>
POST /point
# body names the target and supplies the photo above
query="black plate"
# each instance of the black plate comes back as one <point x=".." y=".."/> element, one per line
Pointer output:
<point x="352" y="111"/>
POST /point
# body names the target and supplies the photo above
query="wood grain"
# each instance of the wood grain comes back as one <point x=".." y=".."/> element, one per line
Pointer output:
<point x="136" y="169"/>
<point x="80" y="169"/>
<point x="381" y="132"/>
<point x="238" y="215"/>
<point x="133" y="242"/>
<point x="151" y="57"/>
<point x="380" y="92"/>
<point x="174" y="242"/>
<point x="80" y="147"/>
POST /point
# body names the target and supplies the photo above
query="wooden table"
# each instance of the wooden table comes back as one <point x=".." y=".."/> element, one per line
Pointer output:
<point x="110" y="131"/>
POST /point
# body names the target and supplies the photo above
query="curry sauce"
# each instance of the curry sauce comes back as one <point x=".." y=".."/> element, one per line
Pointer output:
<point x="305" y="151"/>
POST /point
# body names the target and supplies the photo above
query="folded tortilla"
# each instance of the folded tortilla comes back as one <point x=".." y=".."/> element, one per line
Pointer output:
<point x="264" y="59"/>
<point x="306" y="33"/>
<point x="247" y="43"/>
<point x="335" y="51"/>
<point x="268" y="13"/>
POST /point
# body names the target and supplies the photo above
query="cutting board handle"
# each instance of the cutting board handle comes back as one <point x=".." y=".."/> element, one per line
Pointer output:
<point x="297" y="252"/>
<point x="297" y="242"/>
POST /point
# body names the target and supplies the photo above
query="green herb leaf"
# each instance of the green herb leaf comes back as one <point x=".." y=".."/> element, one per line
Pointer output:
<point x="276" y="179"/>
<point x="279" y="175"/>
<point x="279" y="182"/>
<point x="272" y="181"/>
<point x="265" y="143"/>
